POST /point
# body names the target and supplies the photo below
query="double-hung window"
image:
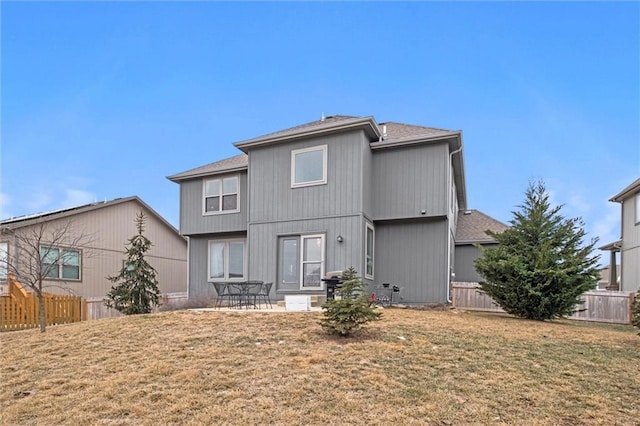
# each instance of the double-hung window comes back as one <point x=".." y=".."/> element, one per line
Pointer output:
<point x="227" y="260"/>
<point x="309" y="166"/>
<point x="369" y="251"/>
<point x="221" y="195"/>
<point x="60" y="263"/>
<point x="4" y="259"/>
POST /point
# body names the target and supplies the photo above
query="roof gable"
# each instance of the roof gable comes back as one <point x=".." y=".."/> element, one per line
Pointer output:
<point x="238" y="162"/>
<point x="627" y="192"/>
<point x="472" y="225"/>
<point x="27" y="220"/>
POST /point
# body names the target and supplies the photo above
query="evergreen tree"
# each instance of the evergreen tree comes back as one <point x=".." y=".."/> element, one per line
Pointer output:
<point x="350" y="310"/>
<point x="541" y="266"/>
<point x="136" y="291"/>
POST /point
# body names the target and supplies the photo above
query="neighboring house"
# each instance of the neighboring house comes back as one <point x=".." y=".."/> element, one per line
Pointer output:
<point x="338" y="192"/>
<point x="629" y="244"/>
<point x="82" y="271"/>
<point x="470" y="233"/>
<point x="604" y="278"/>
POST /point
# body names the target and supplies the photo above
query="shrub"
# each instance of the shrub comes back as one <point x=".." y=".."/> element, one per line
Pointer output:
<point x="350" y="310"/>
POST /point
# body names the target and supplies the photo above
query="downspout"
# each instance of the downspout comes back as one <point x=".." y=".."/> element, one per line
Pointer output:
<point x="448" y="280"/>
<point x="188" y="258"/>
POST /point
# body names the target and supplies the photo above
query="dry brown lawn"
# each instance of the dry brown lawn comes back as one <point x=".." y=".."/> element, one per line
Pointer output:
<point x="413" y="367"/>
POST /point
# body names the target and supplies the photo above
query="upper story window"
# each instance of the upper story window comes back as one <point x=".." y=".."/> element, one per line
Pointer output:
<point x="221" y="195"/>
<point x="638" y="208"/>
<point x="60" y="263"/>
<point x="309" y="166"/>
<point x="4" y="258"/>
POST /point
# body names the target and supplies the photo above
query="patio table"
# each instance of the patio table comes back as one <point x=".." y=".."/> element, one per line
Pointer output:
<point x="239" y="293"/>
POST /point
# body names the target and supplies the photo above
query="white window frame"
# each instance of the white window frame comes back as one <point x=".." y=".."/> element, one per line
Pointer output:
<point x="225" y="262"/>
<point x="4" y="260"/>
<point x="304" y="262"/>
<point x="366" y="250"/>
<point x="295" y="152"/>
<point x="637" y="222"/>
<point x="60" y="261"/>
<point x="220" y="179"/>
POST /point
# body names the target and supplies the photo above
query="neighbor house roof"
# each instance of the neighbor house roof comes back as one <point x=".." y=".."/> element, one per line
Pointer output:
<point x="26" y="220"/>
<point x="238" y="162"/>
<point x="614" y="246"/>
<point x="627" y="192"/>
<point x="472" y="225"/>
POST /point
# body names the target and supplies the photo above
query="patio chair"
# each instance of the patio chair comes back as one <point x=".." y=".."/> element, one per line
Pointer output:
<point x="221" y="293"/>
<point x="263" y="295"/>
<point x="236" y="293"/>
<point x="253" y="289"/>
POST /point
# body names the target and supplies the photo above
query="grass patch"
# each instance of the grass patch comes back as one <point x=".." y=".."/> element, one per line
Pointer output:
<point x="413" y="367"/>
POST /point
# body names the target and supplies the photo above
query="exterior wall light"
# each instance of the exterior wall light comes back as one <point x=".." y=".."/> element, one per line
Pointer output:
<point x="340" y="239"/>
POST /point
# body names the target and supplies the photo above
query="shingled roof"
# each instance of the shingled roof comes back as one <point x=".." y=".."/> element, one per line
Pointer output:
<point x="472" y="225"/>
<point x="627" y="192"/>
<point x="381" y="136"/>
<point x="26" y="220"/>
<point x="238" y="162"/>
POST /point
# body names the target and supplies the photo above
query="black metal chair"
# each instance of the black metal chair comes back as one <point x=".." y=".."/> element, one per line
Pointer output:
<point x="264" y="294"/>
<point x="222" y="291"/>
<point x="253" y="290"/>
<point x="236" y="292"/>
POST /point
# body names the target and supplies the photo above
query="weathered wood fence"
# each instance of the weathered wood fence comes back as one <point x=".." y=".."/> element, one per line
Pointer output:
<point x="599" y="306"/>
<point x="20" y="308"/>
<point x="96" y="308"/>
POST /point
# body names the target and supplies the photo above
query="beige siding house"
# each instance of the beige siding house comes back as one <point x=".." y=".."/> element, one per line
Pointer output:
<point x="107" y="226"/>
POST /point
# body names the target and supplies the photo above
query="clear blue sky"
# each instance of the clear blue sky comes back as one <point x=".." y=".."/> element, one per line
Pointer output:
<point x="103" y="100"/>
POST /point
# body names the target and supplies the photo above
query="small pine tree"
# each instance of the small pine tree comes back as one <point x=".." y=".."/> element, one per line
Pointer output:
<point x="348" y="312"/>
<point x="136" y="291"/>
<point x="540" y="267"/>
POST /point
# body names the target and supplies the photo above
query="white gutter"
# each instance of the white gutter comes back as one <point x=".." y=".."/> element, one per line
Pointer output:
<point x="448" y="281"/>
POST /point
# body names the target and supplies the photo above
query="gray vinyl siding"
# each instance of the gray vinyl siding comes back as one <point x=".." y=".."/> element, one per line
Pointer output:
<point x="199" y="288"/>
<point x="270" y="192"/>
<point x="411" y="179"/>
<point x="465" y="255"/>
<point x="630" y="254"/>
<point x="263" y="244"/>
<point x="413" y="256"/>
<point x="192" y="219"/>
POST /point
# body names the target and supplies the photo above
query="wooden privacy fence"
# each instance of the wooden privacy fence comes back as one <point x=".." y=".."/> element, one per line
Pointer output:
<point x="599" y="306"/>
<point x="19" y="309"/>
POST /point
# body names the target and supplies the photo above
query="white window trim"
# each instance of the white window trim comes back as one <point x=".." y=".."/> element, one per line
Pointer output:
<point x="302" y="261"/>
<point x="322" y="181"/>
<point x="61" y="265"/>
<point x="637" y="197"/>
<point x="373" y="251"/>
<point x="204" y="195"/>
<point x="226" y="260"/>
